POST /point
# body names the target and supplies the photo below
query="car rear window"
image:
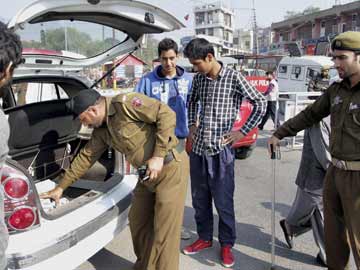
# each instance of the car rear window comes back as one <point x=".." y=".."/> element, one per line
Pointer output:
<point x="32" y="92"/>
<point x="73" y="39"/>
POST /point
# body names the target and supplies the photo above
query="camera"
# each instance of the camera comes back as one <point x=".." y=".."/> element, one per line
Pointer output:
<point x="142" y="173"/>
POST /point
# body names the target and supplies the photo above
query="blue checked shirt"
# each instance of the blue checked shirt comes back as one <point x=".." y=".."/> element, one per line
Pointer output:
<point x="216" y="103"/>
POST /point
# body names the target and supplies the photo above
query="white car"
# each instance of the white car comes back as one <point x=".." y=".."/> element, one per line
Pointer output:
<point x="44" y="136"/>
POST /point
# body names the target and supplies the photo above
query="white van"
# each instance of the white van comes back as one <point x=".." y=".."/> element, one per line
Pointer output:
<point x="293" y="73"/>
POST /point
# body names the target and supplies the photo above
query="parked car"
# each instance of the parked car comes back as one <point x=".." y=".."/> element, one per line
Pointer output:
<point x="244" y="147"/>
<point x="44" y="137"/>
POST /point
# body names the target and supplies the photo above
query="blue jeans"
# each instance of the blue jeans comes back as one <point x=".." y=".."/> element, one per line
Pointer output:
<point x="212" y="178"/>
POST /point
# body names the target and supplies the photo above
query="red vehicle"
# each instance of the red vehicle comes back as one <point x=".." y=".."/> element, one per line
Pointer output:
<point x="246" y="145"/>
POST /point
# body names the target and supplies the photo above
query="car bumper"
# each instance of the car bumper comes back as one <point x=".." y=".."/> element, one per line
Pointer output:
<point x="248" y="140"/>
<point x="71" y="249"/>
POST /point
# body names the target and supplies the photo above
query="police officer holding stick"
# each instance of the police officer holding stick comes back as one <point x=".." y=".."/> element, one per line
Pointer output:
<point x="342" y="181"/>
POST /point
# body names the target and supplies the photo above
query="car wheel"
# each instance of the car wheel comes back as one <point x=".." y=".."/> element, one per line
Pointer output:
<point x="244" y="152"/>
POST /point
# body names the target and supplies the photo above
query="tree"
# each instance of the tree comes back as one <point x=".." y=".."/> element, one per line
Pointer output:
<point x="291" y="14"/>
<point x="310" y="9"/>
<point x="77" y="42"/>
<point x="149" y="52"/>
<point x="306" y="11"/>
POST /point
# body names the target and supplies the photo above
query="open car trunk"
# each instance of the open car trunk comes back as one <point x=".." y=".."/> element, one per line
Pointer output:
<point x="44" y="139"/>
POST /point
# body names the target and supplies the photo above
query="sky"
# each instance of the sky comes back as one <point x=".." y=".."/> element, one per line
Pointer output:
<point x="267" y="11"/>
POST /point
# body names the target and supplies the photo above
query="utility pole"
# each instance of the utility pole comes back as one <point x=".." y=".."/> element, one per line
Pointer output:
<point x="66" y="37"/>
<point x="255" y="30"/>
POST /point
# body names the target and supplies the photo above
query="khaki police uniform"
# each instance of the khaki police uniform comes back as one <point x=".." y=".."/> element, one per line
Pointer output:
<point x="141" y="127"/>
<point x="341" y="185"/>
<point x="342" y="181"/>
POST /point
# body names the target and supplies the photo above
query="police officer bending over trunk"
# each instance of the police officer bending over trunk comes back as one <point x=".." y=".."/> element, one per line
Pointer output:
<point x="342" y="181"/>
<point x="142" y="128"/>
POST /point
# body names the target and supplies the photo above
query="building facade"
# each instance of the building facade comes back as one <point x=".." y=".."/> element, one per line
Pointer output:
<point x="244" y="40"/>
<point x="216" y="21"/>
<point x="307" y="30"/>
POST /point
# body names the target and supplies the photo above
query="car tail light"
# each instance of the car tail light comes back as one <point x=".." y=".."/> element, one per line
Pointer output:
<point x="16" y="187"/>
<point x="22" y="218"/>
<point x="21" y="205"/>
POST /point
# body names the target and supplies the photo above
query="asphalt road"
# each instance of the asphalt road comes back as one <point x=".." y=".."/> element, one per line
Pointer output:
<point x="253" y="213"/>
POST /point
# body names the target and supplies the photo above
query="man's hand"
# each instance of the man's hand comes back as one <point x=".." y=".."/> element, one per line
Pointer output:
<point x="192" y="131"/>
<point x="54" y="194"/>
<point x="231" y="137"/>
<point x="275" y="142"/>
<point x="155" y="165"/>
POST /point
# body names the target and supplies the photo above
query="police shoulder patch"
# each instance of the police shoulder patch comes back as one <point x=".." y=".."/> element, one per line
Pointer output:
<point x="136" y="102"/>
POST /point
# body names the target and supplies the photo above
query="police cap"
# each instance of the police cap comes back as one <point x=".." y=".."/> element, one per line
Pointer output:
<point x="349" y="41"/>
<point x="83" y="100"/>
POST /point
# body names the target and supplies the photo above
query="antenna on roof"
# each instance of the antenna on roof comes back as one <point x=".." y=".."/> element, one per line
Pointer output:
<point x="255" y="47"/>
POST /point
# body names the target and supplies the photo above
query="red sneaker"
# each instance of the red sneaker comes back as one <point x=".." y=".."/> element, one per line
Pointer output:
<point x="227" y="258"/>
<point x="197" y="246"/>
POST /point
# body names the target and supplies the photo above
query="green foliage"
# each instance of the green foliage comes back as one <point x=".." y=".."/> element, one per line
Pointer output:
<point x="78" y="42"/>
<point x="149" y="52"/>
<point x="306" y="11"/>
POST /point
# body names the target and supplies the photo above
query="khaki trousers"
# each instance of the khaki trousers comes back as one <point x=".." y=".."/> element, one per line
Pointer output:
<point x="156" y="217"/>
<point x="342" y="217"/>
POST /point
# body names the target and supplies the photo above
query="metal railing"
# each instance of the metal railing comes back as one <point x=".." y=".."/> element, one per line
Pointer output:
<point x="293" y="103"/>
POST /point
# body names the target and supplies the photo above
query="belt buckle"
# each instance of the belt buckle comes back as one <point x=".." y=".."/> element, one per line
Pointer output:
<point x="341" y="164"/>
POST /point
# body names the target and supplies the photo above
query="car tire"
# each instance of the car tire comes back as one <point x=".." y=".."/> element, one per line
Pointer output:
<point x="244" y="152"/>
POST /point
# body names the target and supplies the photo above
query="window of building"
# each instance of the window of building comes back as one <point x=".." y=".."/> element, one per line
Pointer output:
<point x="334" y="28"/>
<point x="210" y="18"/>
<point x="343" y="27"/>
<point x="200" y="18"/>
<point x="227" y="19"/>
<point x="211" y="31"/>
<point x="227" y="36"/>
<point x="354" y="18"/>
<point x="322" y="28"/>
<point x="200" y="31"/>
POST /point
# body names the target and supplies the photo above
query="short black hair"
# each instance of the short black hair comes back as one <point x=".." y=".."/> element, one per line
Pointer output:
<point x="167" y="44"/>
<point x="10" y="48"/>
<point x="198" y="48"/>
<point x="269" y="73"/>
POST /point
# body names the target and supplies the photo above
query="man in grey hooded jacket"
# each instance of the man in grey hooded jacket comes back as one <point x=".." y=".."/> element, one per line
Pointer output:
<point x="306" y="212"/>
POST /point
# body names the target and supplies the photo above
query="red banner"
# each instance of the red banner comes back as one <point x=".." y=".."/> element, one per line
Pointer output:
<point x="259" y="82"/>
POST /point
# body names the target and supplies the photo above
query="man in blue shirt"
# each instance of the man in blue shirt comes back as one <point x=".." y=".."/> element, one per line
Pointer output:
<point x="171" y="84"/>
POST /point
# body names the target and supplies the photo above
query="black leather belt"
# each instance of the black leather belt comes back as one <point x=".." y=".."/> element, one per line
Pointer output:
<point x="346" y="165"/>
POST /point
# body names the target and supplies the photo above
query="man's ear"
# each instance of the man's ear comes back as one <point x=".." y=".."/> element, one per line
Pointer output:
<point x="210" y="57"/>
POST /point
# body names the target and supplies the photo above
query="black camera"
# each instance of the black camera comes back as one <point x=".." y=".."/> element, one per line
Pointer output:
<point x="142" y="173"/>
